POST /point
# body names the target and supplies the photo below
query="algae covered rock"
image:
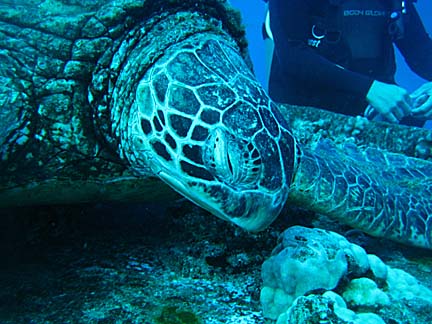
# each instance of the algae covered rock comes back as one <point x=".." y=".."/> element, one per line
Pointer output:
<point x="365" y="292"/>
<point x="307" y="260"/>
<point x="319" y="309"/>
<point x="332" y="277"/>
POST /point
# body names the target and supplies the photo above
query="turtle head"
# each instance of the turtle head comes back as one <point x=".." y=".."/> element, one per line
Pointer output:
<point x="203" y="124"/>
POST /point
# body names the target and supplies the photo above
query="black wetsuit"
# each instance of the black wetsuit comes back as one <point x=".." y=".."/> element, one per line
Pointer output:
<point x="335" y="72"/>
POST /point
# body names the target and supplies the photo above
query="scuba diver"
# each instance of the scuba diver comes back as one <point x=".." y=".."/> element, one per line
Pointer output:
<point x="338" y="55"/>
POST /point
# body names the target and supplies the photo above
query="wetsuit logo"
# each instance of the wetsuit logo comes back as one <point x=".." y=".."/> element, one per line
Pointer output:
<point x="318" y="36"/>
<point x="371" y="13"/>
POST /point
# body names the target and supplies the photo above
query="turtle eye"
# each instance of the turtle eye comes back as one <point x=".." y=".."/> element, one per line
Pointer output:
<point x="233" y="161"/>
<point x="246" y="163"/>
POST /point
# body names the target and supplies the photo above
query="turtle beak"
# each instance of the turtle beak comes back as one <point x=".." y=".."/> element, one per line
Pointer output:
<point x="251" y="210"/>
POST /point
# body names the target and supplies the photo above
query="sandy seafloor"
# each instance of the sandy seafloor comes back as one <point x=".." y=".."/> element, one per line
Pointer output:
<point x="148" y="264"/>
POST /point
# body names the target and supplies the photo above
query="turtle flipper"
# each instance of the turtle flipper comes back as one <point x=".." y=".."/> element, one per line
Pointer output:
<point x="383" y="194"/>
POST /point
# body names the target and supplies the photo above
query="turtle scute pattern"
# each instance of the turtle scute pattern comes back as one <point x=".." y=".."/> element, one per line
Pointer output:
<point x="206" y="127"/>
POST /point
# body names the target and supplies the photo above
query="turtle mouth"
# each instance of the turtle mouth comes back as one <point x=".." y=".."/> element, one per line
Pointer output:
<point x="192" y="195"/>
<point x="251" y="210"/>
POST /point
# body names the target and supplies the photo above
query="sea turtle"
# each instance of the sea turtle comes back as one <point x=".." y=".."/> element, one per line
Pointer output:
<point x="99" y="96"/>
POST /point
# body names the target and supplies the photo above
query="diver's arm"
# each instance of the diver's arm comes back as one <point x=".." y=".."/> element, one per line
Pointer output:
<point x="289" y="20"/>
<point x="416" y="45"/>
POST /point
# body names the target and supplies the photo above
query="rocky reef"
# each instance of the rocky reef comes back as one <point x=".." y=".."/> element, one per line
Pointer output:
<point x="315" y="275"/>
<point x="172" y="262"/>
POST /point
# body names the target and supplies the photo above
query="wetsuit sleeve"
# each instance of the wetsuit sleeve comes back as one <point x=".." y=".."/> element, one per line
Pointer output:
<point x="416" y="45"/>
<point x="289" y="22"/>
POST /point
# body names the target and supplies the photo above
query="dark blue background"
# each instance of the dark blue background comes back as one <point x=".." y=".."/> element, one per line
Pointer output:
<point x="253" y="12"/>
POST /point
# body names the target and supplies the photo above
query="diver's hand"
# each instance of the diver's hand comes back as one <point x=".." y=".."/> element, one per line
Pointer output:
<point x="391" y="101"/>
<point x="422" y="99"/>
